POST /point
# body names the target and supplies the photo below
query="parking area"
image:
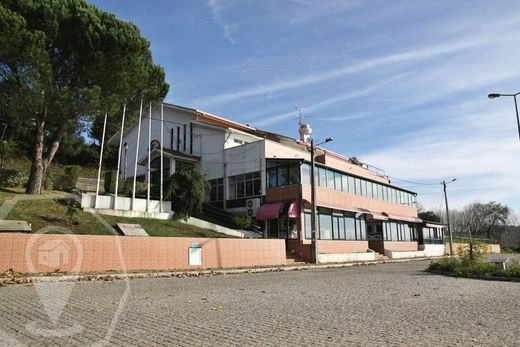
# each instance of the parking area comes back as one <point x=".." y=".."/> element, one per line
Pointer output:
<point x="387" y="304"/>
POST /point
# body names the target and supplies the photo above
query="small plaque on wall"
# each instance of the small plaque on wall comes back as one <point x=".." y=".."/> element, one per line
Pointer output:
<point x="195" y="256"/>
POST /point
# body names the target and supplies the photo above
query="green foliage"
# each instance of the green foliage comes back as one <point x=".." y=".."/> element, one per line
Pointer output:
<point x="429" y="216"/>
<point x="464" y="268"/>
<point x="510" y="250"/>
<point x="11" y="178"/>
<point x="63" y="61"/>
<point x="244" y="222"/>
<point x="186" y="190"/>
<point x="72" y="210"/>
<point x="473" y="252"/>
<point x="67" y="181"/>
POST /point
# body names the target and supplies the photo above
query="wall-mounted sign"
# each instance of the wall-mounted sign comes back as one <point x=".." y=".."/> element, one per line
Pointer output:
<point x="195" y="256"/>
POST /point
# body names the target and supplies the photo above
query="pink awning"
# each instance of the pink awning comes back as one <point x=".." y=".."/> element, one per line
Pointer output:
<point x="293" y="211"/>
<point x="404" y="218"/>
<point x="269" y="211"/>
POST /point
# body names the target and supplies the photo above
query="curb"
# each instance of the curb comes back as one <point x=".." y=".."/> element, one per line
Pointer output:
<point x="475" y="277"/>
<point x="110" y="276"/>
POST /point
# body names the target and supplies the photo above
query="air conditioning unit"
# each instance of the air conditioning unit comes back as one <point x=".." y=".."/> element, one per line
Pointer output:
<point x="252" y="206"/>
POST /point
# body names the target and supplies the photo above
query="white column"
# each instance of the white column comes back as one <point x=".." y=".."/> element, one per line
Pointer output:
<point x="100" y="161"/>
<point x="119" y="155"/>
<point x="162" y="159"/>
<point x="137" y="153"/>
<point x="149" y="171"/>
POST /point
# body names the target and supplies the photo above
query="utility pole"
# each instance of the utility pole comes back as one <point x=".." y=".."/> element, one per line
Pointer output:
<point x="315" y="235"/>
<point x="314" y="229"/>
<point x="448" y="214"/>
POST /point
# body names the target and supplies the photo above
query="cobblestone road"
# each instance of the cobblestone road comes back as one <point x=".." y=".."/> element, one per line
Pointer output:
<point x="391" y="304"/>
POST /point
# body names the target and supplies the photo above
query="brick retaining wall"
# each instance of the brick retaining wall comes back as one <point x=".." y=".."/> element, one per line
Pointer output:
<point x="31" y="253"/>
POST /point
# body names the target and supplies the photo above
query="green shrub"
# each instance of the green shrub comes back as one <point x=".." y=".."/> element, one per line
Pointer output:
<point x="11" y="178"/>
<point x="67" y="181"/>
<point x="49" y="180"/>
<point x="109" y="182"/>
<point x="244" y="222"/>
<point x="445" y="264"/>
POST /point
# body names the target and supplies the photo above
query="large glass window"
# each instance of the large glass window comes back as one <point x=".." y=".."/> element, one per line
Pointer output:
<point x="342" y="182"/>
<point x="245" y="185"/>
<point x="285" y="174"/>
<point x="325" y="226"/>
<point x="350" y="226"/>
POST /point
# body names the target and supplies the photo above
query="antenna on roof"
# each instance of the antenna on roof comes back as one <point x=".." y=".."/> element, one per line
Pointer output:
<point x="300" y="114"/>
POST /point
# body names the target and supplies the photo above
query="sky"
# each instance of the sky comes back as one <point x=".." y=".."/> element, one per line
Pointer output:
<point x="400" y="85"/>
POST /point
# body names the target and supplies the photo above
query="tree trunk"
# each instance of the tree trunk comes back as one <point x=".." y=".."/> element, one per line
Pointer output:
<point x="34" y="185"/>
<point x="55" y="144"/>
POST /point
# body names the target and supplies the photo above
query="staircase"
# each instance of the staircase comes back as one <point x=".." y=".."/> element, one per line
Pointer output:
<point x="294" y="260"/>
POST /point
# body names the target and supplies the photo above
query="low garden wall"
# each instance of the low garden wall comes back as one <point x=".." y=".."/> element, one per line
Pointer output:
<point x="43" y="253"/>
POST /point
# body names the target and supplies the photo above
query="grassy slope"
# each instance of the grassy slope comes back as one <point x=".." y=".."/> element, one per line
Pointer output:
<point x="51" y="212"/>
<point x="22" y="163"/>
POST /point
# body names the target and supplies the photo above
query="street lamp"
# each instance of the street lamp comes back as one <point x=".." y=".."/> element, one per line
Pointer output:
<point x="314" y="229"/>
<point x="497" y="95"/>
<point x="444" y="183"/>
<point x="125" y="146"/>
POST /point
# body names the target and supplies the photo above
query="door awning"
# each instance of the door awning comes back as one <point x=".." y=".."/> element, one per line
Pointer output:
<point x="403" y="218"/>
<point x="269" y="211"/>
<point x="376" y="216"/>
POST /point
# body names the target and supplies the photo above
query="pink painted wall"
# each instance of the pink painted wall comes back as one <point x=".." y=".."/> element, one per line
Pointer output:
<point x="401" y="246"/>
<point x="30" y="253"/>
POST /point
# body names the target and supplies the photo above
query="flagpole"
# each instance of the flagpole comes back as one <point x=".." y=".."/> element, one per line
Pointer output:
<point x="149" y="160"/>
<point x="100" y="161"/>
<point x="119" y="155"/>
<point x="162" y="160"/>
<point x="137" y="153"/>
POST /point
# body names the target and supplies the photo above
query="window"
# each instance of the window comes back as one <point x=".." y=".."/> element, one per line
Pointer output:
<point x="330" y="179"/>
<point x="325" y="226"/>
<point x="344" y="183"/>
<point x="350" y="228"/>
<point x="357" y="183"/>
<point x="369" y="189"/>
<point x="337" y="181"/>
<point x="286" y="174"/>
<point x="241" y="186"/>
<point x="322" y="177"/>
<point x="351" y="186"/>
<point x="307" y="224"/>
<point x="216" y="189"/>
<point x="306" y="173"/>
<point x="294" y="174"/>
<point x="272" y="178"/>
<point x="283" y="176"/>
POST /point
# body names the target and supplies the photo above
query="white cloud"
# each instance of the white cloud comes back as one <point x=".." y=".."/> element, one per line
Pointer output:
<point x="217" y="7"/>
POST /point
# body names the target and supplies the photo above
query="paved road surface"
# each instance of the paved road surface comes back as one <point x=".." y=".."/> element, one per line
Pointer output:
<point x="391" y="304"/>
